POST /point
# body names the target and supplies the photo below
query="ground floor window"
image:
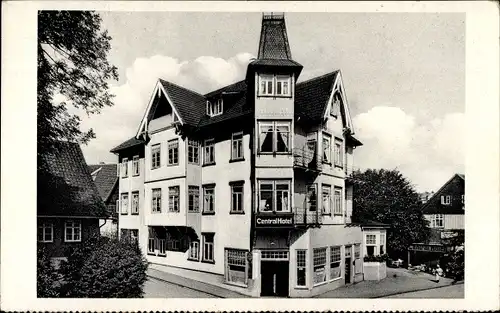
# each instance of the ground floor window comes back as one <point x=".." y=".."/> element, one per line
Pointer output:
<point x="319" y="261"/>
<point x="73" y="231"/>
<point x="45" y="232"/>
<point x="208" y="247"/>
<point x="371" y="242"/>
<point x="382" y="244"/>
<point x="194" y="250"/>
<point x="357" y="256"/>
<point x="151" y="245"/>
<point x="301" y="268"/>
<point x="335" y="260"/>
<point x="236" y="266"/>
<point x="161" y="247"/>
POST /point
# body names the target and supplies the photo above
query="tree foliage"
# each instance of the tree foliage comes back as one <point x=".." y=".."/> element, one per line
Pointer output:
<point x="47" y="277"/>
<point x="72" y="62"/>
<point x="387" y="196"/>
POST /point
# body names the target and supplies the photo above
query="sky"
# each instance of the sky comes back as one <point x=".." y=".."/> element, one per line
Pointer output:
<point x="404" y="76"/>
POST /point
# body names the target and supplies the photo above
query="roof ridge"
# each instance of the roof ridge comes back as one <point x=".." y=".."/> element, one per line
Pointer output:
<point x="232" y="84"/>
<point x="319" y="77"/>
<point x="426" y="204"/>
<point x="179" y="86"/>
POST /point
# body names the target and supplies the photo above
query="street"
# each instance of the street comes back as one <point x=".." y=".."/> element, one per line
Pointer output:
<point x="161" y="289"/>
<point x="454" y="291"/>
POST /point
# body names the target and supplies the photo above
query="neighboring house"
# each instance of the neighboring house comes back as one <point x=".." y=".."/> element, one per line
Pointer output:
<point x="247" y="184"/>
<point x="106" y="179"/>
<point x="445" y="211"/>
<point x="68" y="204"/>
<point x="425" y="196"/>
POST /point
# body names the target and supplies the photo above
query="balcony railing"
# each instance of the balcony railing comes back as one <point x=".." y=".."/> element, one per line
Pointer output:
<point x="298" y="217"/>
<point x="305" y="217"/>
<point x="306" y="159"/>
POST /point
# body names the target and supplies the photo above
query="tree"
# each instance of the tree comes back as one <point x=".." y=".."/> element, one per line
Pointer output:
<point x="72" y="62"/>
<point x="387" y="196"/>
<point x="47" y="277"/>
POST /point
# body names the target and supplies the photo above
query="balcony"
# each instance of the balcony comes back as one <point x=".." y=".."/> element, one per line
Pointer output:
<point x="299" y="217"/>
<point x="307" y="160"/>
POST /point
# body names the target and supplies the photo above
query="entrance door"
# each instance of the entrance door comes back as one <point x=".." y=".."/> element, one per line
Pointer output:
<point x="274" y="278"/>
<point x="347" y="270"/>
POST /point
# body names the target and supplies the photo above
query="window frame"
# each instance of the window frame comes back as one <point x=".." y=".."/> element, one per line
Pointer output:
<point x="263" y="124"/>
<point x="328" y="159"/>
<point x="330" y="199"/>
<point x="337" y="201"/>
<point x="43" y="228"/>
<point x="446" y="200"/>
<point x="155" y="150"/>
<point x="212" y="196"/>
<point x="239" y="144"/>
<point x="134" y="239"/>
<point x="210" y="145"/>
<point x="333" y="260"/>
<point x="236" y="261"/>
<point x="299" y="266"/>
<point x="317" y="258"/>
<point x="174" y="199"/>
<point x="192" y="208"/>
<point x="274" y="196"/>
<point x="232" y="186"/>
<point x="369" y="243"/>
<point x="124" y="203"/>
<point x="208" y="244"/>
<point x="156" y="206"/>
<point x="193" y="152"/>
<point x="73" y="227"/>
<point x="338" y="152"/>
<point x="381" y="245"/>
<point x="173" y="152"/>
<point x="135" y="166"/>
<point x="312" y="204"/>
<point x="124" y="168"/>
<point x="134" y="210"/>
<point x="197" y="249"/>
<point x="272" y="80"/>
<point x="434" y="220"/>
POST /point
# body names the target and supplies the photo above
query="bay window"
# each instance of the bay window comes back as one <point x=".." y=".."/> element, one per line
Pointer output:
<point x="274" y="137"/>
<point x="311" y="201"/>
<point x="193" y="199"/>
<point x="371" y="244"/>
<point x="274" y="196"/>
<point x="335" y="260"/>
<point x="173" y="199"/>
<point x="319" y="261"/>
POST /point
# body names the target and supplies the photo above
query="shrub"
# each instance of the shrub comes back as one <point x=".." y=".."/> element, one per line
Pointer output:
<point x="47" y="278"/>
<point x="105" y="268"/>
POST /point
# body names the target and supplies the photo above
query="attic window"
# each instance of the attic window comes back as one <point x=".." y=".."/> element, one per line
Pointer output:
<point x="214" y="108"/>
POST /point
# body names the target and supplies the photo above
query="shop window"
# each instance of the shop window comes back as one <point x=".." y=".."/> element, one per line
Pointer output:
<point x="335" y="260"/>
<point x="274" y="137"/>
<point x="274" y="196"/>
<point x="301" y="268"/>
<point x="319" y="261"/>
<point x="236" y="266"/>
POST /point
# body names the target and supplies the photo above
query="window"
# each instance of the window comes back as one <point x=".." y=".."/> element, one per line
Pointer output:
<point x="327" y="198"/>
<point x="161" y="247"/>
<point x="437" y="220"/>
<point x="371" y="242"/>
<point x="335" y="259"/>
<point x="446" y="200"/>
<point x="45" y="232"/>
<point x="155" y="156"/>
<point x="135" y="202"/>
<point x="337" y="201"/>
<point x="270" y="85"/>
<point x="311" y="198"/>
<point x="173" y="152"/>
<point x="135" y="166"/>
<point x="124" y="203"/>
<point x="462" y="199"/>
<point x="151" y="245"/>
<point x="193" y="199"/>
<point x="214" y="108"/>
<point x="134" y="236"/>
<point x="124" y="167"/>
<point x="156" y="198"/>
<point x="327" y="149"/>
<point x="276" y="255"/>
<point x="382" y="244"/>
<point x="335" y="105"/>
<point x="301" y="268"/>
<point x="173" y="199"/>
<point x="274" y="137"/>
<point x="209" y="199"/>
<point x="209" y="157"/>
<point x="236" y="198"/>
<point x="193" y="151"/>
<point x="73" y="231"/>
<point x="236" y="266"/>
<point x="208" y="247"/>
<point x="357" y="251"/>
<point x="319" y="258"/>
<point x="237" y="146"/>
<point x="339" y="155"/>
<point x="274" y="196"/>
<point x="194" y="250"/>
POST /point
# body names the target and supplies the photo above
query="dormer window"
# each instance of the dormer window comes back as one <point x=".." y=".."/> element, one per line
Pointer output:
<point x="214" y="108"/>
<point x="275" y="85"/>
<point x="446" y="200"/>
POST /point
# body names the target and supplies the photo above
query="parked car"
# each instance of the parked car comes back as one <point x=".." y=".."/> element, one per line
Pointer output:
<point x="396" y="263"/>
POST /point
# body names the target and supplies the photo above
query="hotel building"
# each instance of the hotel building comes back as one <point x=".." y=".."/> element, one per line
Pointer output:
<point x="246" y="185"/>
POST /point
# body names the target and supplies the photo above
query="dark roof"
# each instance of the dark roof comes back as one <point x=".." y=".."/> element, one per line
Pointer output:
<point x="375" y="224"/>
<point x="240" y="86"/>
<point x="273" y="42"/>
<point x="353" y="141"/>
<point x="105" y="178"/>
<point x="455" y="187"/>
<point x="190" y="105"/>
<point x="275" y="62"/>
<point x="127" y="144"/>
<point x="64" y="184"/>
<point x="311" y="96"/>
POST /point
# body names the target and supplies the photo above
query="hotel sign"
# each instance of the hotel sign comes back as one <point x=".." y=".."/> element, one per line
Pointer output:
<point x="274" y="221"/>
<point x="427" y="248"/>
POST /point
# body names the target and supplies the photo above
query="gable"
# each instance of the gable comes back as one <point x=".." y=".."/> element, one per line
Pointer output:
<point x="455" y="187"/>
<point x="338" y="91"/>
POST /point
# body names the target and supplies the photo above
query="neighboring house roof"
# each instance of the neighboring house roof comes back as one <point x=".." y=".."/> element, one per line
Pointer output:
<point x="373" y="224"/>
<point x="65" y="186"/>
<point x="105" y="178"/>
<point x="312" y="96"/>
<point x="128" y="144"/>
<point x="434" y="206"/>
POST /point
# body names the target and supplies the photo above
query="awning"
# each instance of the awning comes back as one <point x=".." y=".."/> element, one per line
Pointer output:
<point x="182" y="231"/>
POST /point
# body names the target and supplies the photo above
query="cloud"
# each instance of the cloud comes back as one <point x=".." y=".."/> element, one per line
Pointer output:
<point x="427" y="152"/>
<point x="118" y="123"/>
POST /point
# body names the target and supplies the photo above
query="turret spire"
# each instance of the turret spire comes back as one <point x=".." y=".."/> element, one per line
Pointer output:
<point x="273" y="38"/>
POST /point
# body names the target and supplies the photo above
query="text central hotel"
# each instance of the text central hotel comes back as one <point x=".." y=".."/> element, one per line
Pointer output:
<point x="245" y="187"/>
